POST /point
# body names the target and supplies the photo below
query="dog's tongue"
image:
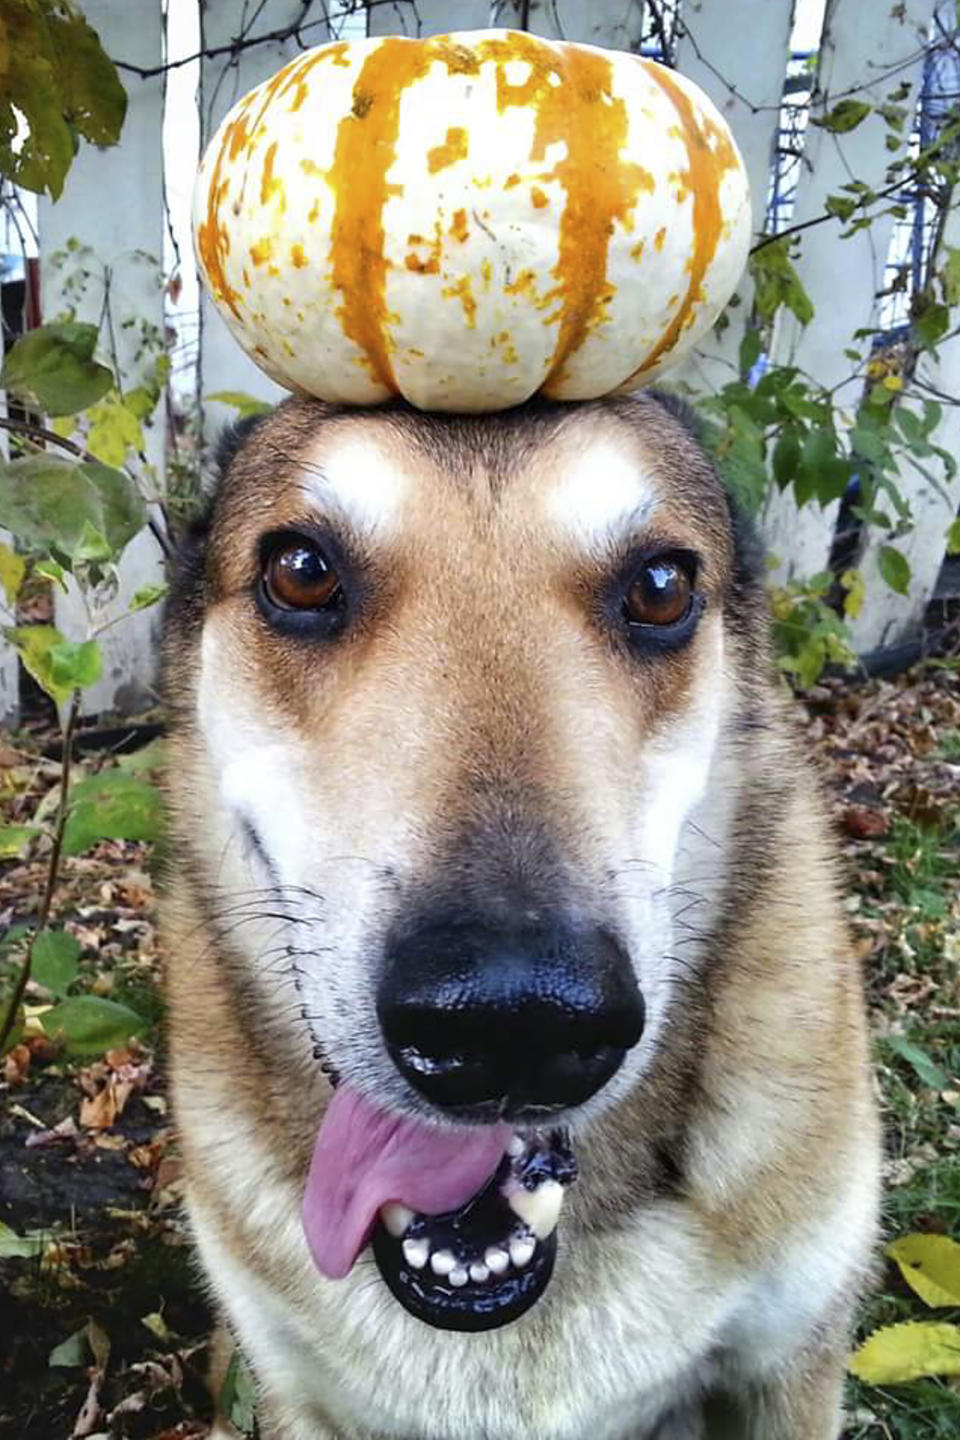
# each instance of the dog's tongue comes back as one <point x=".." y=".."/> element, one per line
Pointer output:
<point x="365" y="1156"/>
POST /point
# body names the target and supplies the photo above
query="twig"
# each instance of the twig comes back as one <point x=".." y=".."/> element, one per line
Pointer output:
<point x="53" y="869"/>
<point x="38" y="432"/>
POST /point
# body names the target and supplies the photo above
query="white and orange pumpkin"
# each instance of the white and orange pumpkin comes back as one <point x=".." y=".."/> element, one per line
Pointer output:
<point x="469" y="219"/>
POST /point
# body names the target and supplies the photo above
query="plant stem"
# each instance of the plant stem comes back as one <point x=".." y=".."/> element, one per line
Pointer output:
<point x="53" y="869"/>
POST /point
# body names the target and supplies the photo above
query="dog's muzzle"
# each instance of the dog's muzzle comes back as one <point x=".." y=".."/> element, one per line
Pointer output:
<point x="491" y="1025"/>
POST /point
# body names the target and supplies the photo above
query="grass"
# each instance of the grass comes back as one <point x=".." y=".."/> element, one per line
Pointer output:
<point x="913" y="894"/>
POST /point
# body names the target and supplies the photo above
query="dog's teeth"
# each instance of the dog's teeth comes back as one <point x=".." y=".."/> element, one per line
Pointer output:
<point x="458" y="1276"/>
<point x="479" y="1273"/>
<point x="396" y="1219"/>
<point x="516" y="1147"/>
<point x="540" y="1208"/>
<point x="442" y="1262"/>
<point x="416" y="1252"/>
<point x="521" y="1252"/>
<point x="496" y="1259"/>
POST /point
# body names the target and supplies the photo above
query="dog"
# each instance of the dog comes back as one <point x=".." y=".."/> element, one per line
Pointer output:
<point x="518" y="1050"/>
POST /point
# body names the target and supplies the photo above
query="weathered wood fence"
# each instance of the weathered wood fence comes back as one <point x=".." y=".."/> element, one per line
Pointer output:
<point x="738" y="50"/>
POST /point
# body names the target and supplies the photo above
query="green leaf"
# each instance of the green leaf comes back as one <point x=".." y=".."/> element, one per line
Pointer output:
<point x="52" y="368"/>
<point x="786" y="456"/>
<point x="93" y="99"/>
<point x="50" y="570"/>
<point x="148" y="760"/>
<point x="842" y="206"/>
<point x="899" y="1353"/>
<point x="14" y="840"/>
<point x="750" y="348"/>
<point x="953" y="538"/>
<point x="83" y="510"/>
<point x="33" y="643"/>
<point x="237" y="1399"/>
<point x="245" y="405"/>
<point x="71" y="1352"/>
<point x="88" y="1024"/>
<point x="111" y="806"/>
<point x="930" y="322"/>
<point x="53" y="961"/>
<point x="21" y="1247"/>
<point x="11" y="938"/>
<point x="846" y="115"/>
<point x="777" y="283"/>
<point x="950" y="275"/>
<point x="147" y="596"/>
<point x="930" y="1264"/>
<point x="76" y="665"/>
<point x="926" y="1069"/>
<point x="13" y="567"/>
<point x="54" y="71"/>
<point x="894" y="568"/>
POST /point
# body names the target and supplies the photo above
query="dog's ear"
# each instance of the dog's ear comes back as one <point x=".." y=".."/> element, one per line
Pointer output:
<point x="681" y="411"/>
<point x="232" y="440"/>
<point x="184" y="604"/>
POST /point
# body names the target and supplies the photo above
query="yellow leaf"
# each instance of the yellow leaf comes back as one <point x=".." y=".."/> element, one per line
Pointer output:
<point x="899" y="1353"/>
<point x="114" y="429"/>
<point x="12" y="570"/>
<point x="892" y="382"/>
<point x="853" y="583"/>
<point x="930" y="1264"/>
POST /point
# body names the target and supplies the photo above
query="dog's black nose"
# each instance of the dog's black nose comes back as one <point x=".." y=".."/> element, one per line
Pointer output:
<point x="530" y="1022"/>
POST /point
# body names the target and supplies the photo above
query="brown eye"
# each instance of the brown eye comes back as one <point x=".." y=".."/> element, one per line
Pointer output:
<point x="661" y="592"/>
<point x="298" y="576"/>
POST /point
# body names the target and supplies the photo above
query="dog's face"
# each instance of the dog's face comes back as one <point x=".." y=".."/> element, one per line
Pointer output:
<point x="460" y="688"/>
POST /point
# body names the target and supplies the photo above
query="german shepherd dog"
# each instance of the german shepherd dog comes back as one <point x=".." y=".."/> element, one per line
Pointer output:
<point x="518" y="1048"/>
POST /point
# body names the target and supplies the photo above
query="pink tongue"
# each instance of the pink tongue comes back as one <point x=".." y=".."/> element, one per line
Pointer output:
<point x="365" y="1156"/>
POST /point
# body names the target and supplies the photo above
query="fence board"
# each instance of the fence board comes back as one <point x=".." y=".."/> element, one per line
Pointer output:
<point x="888" y="618"/>
<point x="427" y="17"/>
<point x="842" y="277"/>
<point x="223" y="80"/>
<point x="113" y="202"/>
<point x="741" y="63"/>
<point x="616" y="23"/>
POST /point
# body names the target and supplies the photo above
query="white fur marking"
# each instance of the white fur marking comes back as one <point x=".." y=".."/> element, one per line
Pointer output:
<point x="355" y="479"/>
<point x="603" y="494"/>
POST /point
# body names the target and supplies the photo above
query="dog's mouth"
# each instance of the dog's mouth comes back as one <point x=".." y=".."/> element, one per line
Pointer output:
<point x="463" y="1221"/>
<point x="489" y="1261"/>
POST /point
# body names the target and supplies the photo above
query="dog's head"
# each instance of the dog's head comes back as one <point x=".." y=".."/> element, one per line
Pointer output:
<point x="457" y="695"/>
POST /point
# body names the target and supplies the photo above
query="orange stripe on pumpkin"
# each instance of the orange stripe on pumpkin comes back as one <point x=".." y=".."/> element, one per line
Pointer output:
<point x="365" y="151"/>
<point x="571" y="91"/>
<point x="706" y="169"/>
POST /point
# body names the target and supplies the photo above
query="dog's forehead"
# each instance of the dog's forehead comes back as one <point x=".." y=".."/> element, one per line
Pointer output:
<point x="582" y="475"/>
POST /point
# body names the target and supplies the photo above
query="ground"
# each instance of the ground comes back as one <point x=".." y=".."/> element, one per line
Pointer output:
<point x="103" y="1319"/>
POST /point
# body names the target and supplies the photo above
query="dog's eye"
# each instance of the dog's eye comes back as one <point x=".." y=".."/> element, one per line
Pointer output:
<point x="661" y="592"/>
<point x="297" y="575"/>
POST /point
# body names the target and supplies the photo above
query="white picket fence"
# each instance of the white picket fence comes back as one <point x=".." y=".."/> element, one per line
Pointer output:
<point x="115" y="201"/>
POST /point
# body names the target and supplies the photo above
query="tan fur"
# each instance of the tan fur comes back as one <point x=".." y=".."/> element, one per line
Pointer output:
<point x="476" y="711"/>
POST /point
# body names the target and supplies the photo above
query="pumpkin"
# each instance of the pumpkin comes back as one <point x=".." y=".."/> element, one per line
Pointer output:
<point x="469" y="219"/>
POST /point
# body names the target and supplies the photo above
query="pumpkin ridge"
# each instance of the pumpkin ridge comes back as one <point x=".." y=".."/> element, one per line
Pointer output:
<point x="706" y="168"/>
